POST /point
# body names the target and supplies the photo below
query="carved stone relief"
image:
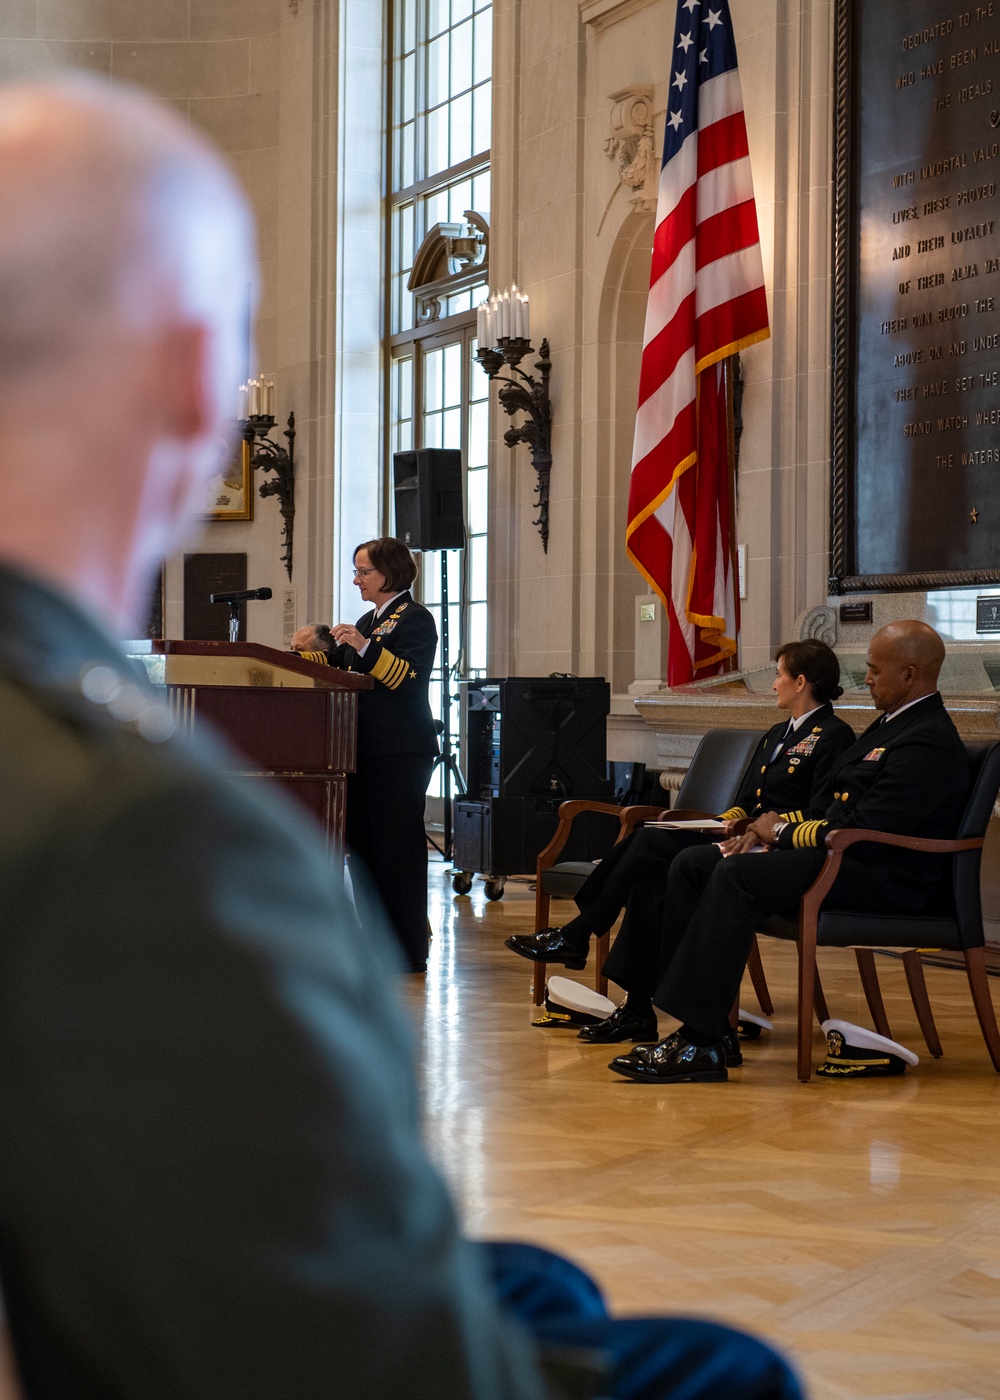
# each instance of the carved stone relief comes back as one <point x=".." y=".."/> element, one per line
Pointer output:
<point x="819" y="624"/>
<point x="631" y="146"/>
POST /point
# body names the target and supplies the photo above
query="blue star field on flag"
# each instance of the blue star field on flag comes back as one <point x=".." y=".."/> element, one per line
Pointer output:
<point x="704" y="47"/>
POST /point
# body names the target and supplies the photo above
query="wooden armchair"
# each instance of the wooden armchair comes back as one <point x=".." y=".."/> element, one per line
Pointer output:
<point x="953" y="921"/>
<point x="710" y="786"/>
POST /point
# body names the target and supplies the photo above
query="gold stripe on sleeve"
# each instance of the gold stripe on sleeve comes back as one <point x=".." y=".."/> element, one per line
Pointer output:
<point x="735" y="814"/>
<point x="809" y="835"/>
<point x="383" y="666"/>
<point x="398" y="673"/>
<point x="318" y="658"/>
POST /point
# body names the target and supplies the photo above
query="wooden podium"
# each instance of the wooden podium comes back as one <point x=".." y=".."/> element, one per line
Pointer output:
<point x="288" y="719"/>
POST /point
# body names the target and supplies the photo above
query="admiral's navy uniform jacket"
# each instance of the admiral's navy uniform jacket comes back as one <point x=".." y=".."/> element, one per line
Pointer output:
<point x="782" y="774"/>
<point x="395" y="717"/>
<point x="212" y="1182"/>
<point x="397" y="741"/>
<point x="786" y="770"/>
<point x="908" y="774"/>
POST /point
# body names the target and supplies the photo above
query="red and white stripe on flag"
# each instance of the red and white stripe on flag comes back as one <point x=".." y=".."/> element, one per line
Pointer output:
<point x="706" y="301"/>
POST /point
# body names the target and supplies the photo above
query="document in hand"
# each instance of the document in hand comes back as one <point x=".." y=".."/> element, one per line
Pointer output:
<point x="693" y="824"/>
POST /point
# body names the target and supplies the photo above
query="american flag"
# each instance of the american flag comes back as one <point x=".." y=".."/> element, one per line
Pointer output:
<point x="706" y="301"/>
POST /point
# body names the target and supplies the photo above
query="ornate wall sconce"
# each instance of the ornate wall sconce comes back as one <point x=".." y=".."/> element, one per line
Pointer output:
<point x="268" y="456"/>
<point x="504" y="338"/>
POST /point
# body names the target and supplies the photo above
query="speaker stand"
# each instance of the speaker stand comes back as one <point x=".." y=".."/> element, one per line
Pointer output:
<point x="446" y="759"/>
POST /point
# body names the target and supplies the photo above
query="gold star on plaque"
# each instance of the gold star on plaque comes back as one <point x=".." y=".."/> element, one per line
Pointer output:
<point x="974" y="515"/>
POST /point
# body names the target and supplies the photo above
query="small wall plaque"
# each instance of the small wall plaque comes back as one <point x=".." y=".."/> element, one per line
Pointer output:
<point x="212" y="573"/>
<point x="988" y="614"/>
<point x="647" y="612"/>
<point x="855" y="612"/>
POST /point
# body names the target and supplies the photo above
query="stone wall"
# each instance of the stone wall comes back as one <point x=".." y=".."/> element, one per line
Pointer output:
<point x="573" y="225"/>
<point x="290" y="90"/>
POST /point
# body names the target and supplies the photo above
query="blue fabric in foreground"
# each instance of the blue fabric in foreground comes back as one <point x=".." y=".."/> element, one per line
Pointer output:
<point x="648" y="1358"/>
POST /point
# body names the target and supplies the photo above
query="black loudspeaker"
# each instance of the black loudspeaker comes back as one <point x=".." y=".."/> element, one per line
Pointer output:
<point x="430" y="509"/>
<point x="538" y="736"/>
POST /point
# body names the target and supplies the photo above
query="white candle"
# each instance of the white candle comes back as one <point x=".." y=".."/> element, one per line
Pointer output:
<point x="241" y="412"/>
<point x="481" y="323"/>
<point x="505" y="316"/>
<point x="269" y="405"/>
<point x="525" y="318"/>
<point x="494" y="329"/>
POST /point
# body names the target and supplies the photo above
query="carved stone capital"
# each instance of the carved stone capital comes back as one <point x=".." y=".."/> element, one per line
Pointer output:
<point x="631" y="144"/>
<point x="819" y="624"/>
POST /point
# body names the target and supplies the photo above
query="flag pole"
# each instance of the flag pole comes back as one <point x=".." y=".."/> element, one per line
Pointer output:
<point x="730" y="369"/>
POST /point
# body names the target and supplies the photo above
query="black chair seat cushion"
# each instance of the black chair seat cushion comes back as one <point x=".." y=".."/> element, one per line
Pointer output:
<point x="564" y="880"/>
<point x="844" y="929"/>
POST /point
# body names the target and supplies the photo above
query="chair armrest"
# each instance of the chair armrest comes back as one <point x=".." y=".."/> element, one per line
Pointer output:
<point x="568" y="812"/>
<point x="845" y="836"/>
<point x="632" y="816"/>
<point x="837" y="843"/>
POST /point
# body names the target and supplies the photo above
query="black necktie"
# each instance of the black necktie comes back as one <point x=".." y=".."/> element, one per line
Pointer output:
<point x="784" y="739"/>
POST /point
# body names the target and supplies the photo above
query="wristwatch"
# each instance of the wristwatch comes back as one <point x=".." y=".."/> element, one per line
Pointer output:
<point x="779" y="828"/>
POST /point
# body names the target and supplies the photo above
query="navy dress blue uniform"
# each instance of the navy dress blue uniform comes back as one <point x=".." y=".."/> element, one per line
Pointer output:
<point x="907" y="773"/>
<point x="397" y="742"/>
<point x="786" y="769"/>
<point x="212" y="1179"/>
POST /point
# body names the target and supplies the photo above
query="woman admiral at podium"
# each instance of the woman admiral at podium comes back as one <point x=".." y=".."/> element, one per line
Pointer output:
<point x="395" y="643"/>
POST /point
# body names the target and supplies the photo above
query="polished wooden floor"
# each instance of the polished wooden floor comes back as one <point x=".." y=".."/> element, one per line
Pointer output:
<point x="855" y="1224"/>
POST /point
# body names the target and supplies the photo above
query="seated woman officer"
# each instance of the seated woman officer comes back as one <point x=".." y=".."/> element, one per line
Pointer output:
<point x="395" y="644"/>
<point x="790" y="761"/>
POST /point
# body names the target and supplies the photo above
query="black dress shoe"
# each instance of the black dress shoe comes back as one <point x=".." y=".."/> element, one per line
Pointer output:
<point x="674" y="1061"/>
<point x="731" y="1045"/>
<point x="548" y="946"/>
<point x="622" y="1024"/>
<point x="729" y="1042"/>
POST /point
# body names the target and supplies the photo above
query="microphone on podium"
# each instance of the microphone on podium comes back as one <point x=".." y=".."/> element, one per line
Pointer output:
<point x="234" y="600"/>
<point x="245" y="597"/>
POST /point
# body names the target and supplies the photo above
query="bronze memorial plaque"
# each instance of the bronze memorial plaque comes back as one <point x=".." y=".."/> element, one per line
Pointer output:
<point x="916" y="452"/>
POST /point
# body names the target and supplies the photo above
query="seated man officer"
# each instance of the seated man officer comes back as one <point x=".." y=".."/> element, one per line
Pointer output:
<point x="212" y="1180"/>
<point x="314" y="642"/>
<point x="908" y="773"/>
<point x="789" y="765"/>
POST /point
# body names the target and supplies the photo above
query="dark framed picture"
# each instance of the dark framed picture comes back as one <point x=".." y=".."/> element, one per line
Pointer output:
<point x="229" y="494"/>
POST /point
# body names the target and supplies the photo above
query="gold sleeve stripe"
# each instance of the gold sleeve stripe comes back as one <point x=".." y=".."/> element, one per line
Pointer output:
<point x="809" y="835"/>
<point x="383" y="665"/>
<point x="390" y="670"/>
<point x="735" y="814"/>
<point x="790" y="816"/>
<point x="318" y="658"/>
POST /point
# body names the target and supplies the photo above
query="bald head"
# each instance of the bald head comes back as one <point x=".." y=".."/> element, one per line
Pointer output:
<point x="126" y="252"/>
<point x="112" y="215"/>
<point x="904" y="662"/>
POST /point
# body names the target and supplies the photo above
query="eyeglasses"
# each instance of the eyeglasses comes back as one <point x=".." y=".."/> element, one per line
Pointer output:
<point x="363" y="573"/>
